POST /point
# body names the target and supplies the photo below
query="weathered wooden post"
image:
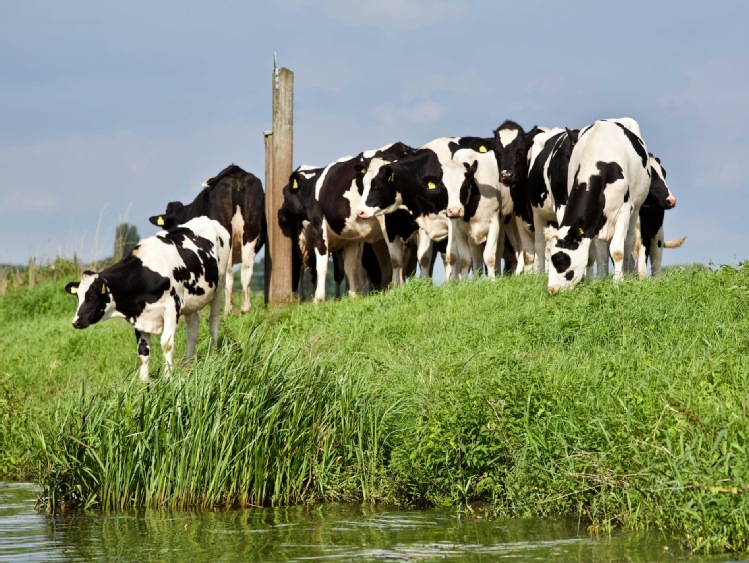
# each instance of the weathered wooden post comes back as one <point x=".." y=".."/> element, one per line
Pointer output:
<point x="278" y="163"/>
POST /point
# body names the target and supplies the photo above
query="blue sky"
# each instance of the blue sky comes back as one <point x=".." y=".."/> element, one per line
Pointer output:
<point x="110" y="110"/>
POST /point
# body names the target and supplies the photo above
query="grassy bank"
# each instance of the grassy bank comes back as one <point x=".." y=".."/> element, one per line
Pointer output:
<point x="623" y="404"/>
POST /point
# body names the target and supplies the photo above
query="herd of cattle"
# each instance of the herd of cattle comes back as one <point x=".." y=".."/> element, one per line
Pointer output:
<point x="547" y="200"/>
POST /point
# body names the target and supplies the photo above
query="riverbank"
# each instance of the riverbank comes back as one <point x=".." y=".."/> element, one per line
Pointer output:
<point x="624" y="405"/>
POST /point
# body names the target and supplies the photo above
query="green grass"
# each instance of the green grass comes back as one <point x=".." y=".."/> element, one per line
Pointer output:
<point x="623" y="404"/>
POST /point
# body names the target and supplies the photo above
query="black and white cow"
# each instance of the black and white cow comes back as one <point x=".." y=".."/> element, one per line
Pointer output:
<point x="651" y="221"/>
<point x="608" y="180"/>
<point x="170" y="275"/>
<point x="298" y="205"/>
<point x="510" y="146"/>
<point x="234" y="198"/>
<point x="332" y="213"/>
<point x="417" y="182"/>
<point x="548" y="163"/>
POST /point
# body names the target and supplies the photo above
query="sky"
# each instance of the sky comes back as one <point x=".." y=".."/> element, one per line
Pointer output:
<point x="109" y="110"/>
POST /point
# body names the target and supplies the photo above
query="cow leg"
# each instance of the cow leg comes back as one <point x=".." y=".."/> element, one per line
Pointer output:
<point x="192" y="327"/>
<point x="321" y="265"/>
<point x="527" y="246"/>
<point x="167" y="340"/>
<point x="490" y="248"/>
<point x="656" y="254"/>
<point x="143" y="341"/>
<point x="248" y="262"/>
<point x="602" y="259"/>
<point x="228" y="287"/>
<point x="511" y="230"/>
<point x="396" y="253"/>
<point x="214" y="318"/>
<point x="352" y="254"/>
<point x="477" y="257"/>
<point x="424" y="254"/>
<point x="464" y="254"/>
<point x="452" y="255"/>
<point x="539" y="242"/>
<point x="618" y="245"/>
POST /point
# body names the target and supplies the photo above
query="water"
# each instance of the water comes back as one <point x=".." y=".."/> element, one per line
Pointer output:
<point x="332" y="532"/>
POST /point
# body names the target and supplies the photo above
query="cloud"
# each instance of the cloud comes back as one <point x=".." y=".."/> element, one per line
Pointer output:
<point x="714" y="96"/>
<point x="67" y="195"/>
<point x="417" y="113"/>
<point x="400" y="14"/>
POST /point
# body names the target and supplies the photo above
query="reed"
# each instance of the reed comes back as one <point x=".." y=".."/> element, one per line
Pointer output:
<point x="624" y="404"/>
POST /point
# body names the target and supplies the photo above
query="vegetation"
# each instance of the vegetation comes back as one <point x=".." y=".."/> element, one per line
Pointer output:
<point x="623" y="404"/>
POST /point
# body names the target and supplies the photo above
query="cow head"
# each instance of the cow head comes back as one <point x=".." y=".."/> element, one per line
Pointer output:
<point x="379" y="178"/>
<point x="659" y="195"/>
<point x="511" y="148"/>
<point x="380" y="195"/>
<point x="174" y="215"/>
<point x="460" y="182"/>
<point x="569" y="250"/>
<point x="95" y="301"/>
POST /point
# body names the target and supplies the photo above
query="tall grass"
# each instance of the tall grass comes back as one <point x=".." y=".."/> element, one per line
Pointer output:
<point x="622" y="404"/>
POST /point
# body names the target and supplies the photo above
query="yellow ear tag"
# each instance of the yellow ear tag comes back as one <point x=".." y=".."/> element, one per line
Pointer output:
<point x="73" y="290"/>
<point x="482" y="148"/>
<point x="392" y="177"/>
<point x="363" y="171"/>
<point x="295" y="185"/>
<point x="431" y="185"/>
<point x="580" y="231"/>
<point x="103" y="289"/>
<point x="160" y="221"/>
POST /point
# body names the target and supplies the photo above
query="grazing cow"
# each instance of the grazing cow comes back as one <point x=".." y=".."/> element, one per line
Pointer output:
<point x="548" y="162"/>
<point x="170" y="275"/>
<point x="332" y="212"/>
<point x="609" y="179"/>
<point x="235" y="199"/>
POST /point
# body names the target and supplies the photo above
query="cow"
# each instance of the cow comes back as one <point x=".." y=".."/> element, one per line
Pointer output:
<point x="234" y="198"/>
<point x="417" y="182"/>
<point x="510" y="146"/>
<point x="172" y="274"/>
<point x="331" y="210"/>
<point x="478" y="212"/>
<point x="548" y="163"/>
<point x="649" y="228"/>
<point x="608" y="181"/>
<point x="651" y="221"/>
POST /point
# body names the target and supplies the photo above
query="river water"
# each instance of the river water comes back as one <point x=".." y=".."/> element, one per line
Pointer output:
<point x="330" y="532"/>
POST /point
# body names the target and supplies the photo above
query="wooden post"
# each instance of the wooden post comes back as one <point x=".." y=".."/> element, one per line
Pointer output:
<point x="278" y="164"/>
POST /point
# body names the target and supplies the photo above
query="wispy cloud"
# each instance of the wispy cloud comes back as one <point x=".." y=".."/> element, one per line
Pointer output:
<point x="714" y="96"/>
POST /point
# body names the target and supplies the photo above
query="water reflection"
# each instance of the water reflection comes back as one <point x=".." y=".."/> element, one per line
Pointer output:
<point x="324" y="532"/>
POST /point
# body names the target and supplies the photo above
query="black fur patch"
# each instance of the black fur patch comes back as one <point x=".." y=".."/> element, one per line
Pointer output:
<point x="561" y="261"/>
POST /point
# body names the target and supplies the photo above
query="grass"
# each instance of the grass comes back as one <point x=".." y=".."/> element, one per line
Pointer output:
<point x="623" y="404"/>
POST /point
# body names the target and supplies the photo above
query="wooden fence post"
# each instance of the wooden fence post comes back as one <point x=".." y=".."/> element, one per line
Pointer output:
<point x="278" y="165"/>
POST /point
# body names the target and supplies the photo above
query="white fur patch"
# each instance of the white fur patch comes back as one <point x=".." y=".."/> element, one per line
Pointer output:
<point x="507" y="136"/>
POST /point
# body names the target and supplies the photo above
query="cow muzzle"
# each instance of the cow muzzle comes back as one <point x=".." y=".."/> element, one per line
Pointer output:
<point x="455" y="212"/>
<point x="507" y="177"/>
<point x="363" y="214"/>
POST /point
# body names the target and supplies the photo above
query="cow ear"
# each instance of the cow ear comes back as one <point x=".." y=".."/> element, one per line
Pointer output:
<point x="388" y="173"/>
<point x="576" y="231"/>
<point x="471" y="168"/>
<point x="480" y="145"/>
<point x="157" y="220"/>
<point x="573" y="134"/>
<point x="72" y="288"/>
<point x="430" y="182"/>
